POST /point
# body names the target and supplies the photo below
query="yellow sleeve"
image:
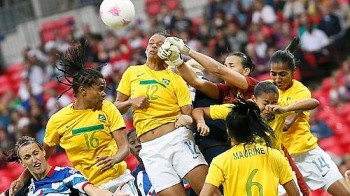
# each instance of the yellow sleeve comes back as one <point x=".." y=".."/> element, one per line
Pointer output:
<point x="220" y="111"/>
<point x="52" y="137"/>
<point x="115" y="118"/>
<point x="285" y="171"/>
<point x="215" y="174"/>
<point x="124" y="84"/>
<point x="182" y="92"/>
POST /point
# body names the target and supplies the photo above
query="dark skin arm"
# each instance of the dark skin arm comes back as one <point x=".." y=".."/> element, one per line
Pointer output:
<point x="107" y="162"/>
<point x="123" y="102"/>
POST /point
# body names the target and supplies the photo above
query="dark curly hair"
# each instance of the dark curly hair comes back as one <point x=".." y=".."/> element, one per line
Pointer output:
<point x="72" y="66"/>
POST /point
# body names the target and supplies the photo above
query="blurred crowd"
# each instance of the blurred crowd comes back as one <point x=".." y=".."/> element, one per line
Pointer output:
<point x="256" y="27"/>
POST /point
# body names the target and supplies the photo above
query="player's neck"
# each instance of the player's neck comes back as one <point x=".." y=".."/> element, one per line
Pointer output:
<point x="80" y="105"/>
<point x="44" y="174"/>
<point x="155" y="64"/>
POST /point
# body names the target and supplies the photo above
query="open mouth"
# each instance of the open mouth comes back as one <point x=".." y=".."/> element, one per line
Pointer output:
<point x="37" y="166"/>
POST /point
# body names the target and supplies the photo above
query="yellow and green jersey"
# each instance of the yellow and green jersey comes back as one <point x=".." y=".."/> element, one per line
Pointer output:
<point x="85" y="134"/>
<point x="249" y="170"/>
<point x="298" y="138"/>
<point x="166" y="91"/>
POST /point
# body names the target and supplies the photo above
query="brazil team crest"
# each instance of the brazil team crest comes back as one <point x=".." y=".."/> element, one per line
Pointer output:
<point x="166" y="81"/>
<point x="102" y="117"/>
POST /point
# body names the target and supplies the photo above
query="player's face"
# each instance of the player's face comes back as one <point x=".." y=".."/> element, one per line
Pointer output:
<point x="281" y="75"/>
<point x="235" y="63"/>
<point x="263" y="100"/>
<point x="153" y="45"/>
<point x="95" y="94"/>
<point x="134" y="144"/>
<point x="33" y="158"/>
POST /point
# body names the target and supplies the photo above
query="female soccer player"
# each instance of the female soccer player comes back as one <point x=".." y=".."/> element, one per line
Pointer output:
<point x="91" y="130"/>
<point x="161" y="105"/>
<point x="235" y="71"/>
<point x="47" y="179"/>
<point x="249" y="168"/>
<point x="266" y="97"/>
<point x="315" y="164"/>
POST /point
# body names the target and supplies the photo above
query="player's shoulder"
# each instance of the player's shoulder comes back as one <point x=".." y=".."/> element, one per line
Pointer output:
<point x="63" y="111"/>
<point x="107" y="103"/>
<point x="298" y="85"/>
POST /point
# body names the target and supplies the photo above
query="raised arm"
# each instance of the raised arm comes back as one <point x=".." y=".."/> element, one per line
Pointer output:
<point x="207" y="87"/>
<point x="232" y="77"/>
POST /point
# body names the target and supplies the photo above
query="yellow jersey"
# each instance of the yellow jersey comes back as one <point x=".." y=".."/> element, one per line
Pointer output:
<point x="221" y="112"/>
<point x="165" y="90"/>
<point x="249" y="170"/>
<point x="85" y="134"/>
<point x="298" y="139"/>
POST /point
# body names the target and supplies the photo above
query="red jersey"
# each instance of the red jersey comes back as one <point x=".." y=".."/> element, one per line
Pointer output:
<point x="228" y="94"/>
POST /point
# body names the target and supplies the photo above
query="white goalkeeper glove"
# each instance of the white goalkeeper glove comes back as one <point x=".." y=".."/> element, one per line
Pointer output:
<point x="170" y="52"/>
<point x="180" y="44"/>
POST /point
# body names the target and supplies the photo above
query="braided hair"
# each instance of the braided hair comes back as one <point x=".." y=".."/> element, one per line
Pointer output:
<point x="244" y="123"/>
<point x="13" y="154"/>
<point x="72" y="66"/>
<point x="286" y="56"/>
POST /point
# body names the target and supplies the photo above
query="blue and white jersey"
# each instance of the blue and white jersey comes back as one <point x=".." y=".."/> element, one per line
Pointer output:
<point x="59" y="181"/>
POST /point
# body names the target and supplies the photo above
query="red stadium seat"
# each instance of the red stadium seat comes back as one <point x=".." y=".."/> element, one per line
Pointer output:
<point x="49" y="26"/>
<point x="48" y="36"/>
<point x="341" y="129"/>
<point x="172" y="4"/>
<point x="327" y="143"/>
<point x="153" y="7"/>
<point x="327" y="84"/>
<point x="5" y="183"/>
<point x="14" y="68"/>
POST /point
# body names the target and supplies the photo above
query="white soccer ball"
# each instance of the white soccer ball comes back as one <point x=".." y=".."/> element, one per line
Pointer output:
<point x="117" y="13"/>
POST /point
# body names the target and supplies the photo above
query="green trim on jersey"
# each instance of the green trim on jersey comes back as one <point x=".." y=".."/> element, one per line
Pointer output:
<point x="87" y="129"/>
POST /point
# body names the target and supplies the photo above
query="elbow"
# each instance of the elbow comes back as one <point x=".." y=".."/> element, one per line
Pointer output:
<point x="316" y="103"/>
<point x="195" y="111"/>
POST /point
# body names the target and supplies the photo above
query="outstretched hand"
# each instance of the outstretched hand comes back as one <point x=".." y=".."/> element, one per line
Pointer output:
<point x="276" y="109"/>
<point x="105" y="162"/>
<point x="202" y="128"/>
<point x="118" y="192"/>
<point x="183" y="120"/>
<point x="180" y="44"/>
<point x="170" y="52"/>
